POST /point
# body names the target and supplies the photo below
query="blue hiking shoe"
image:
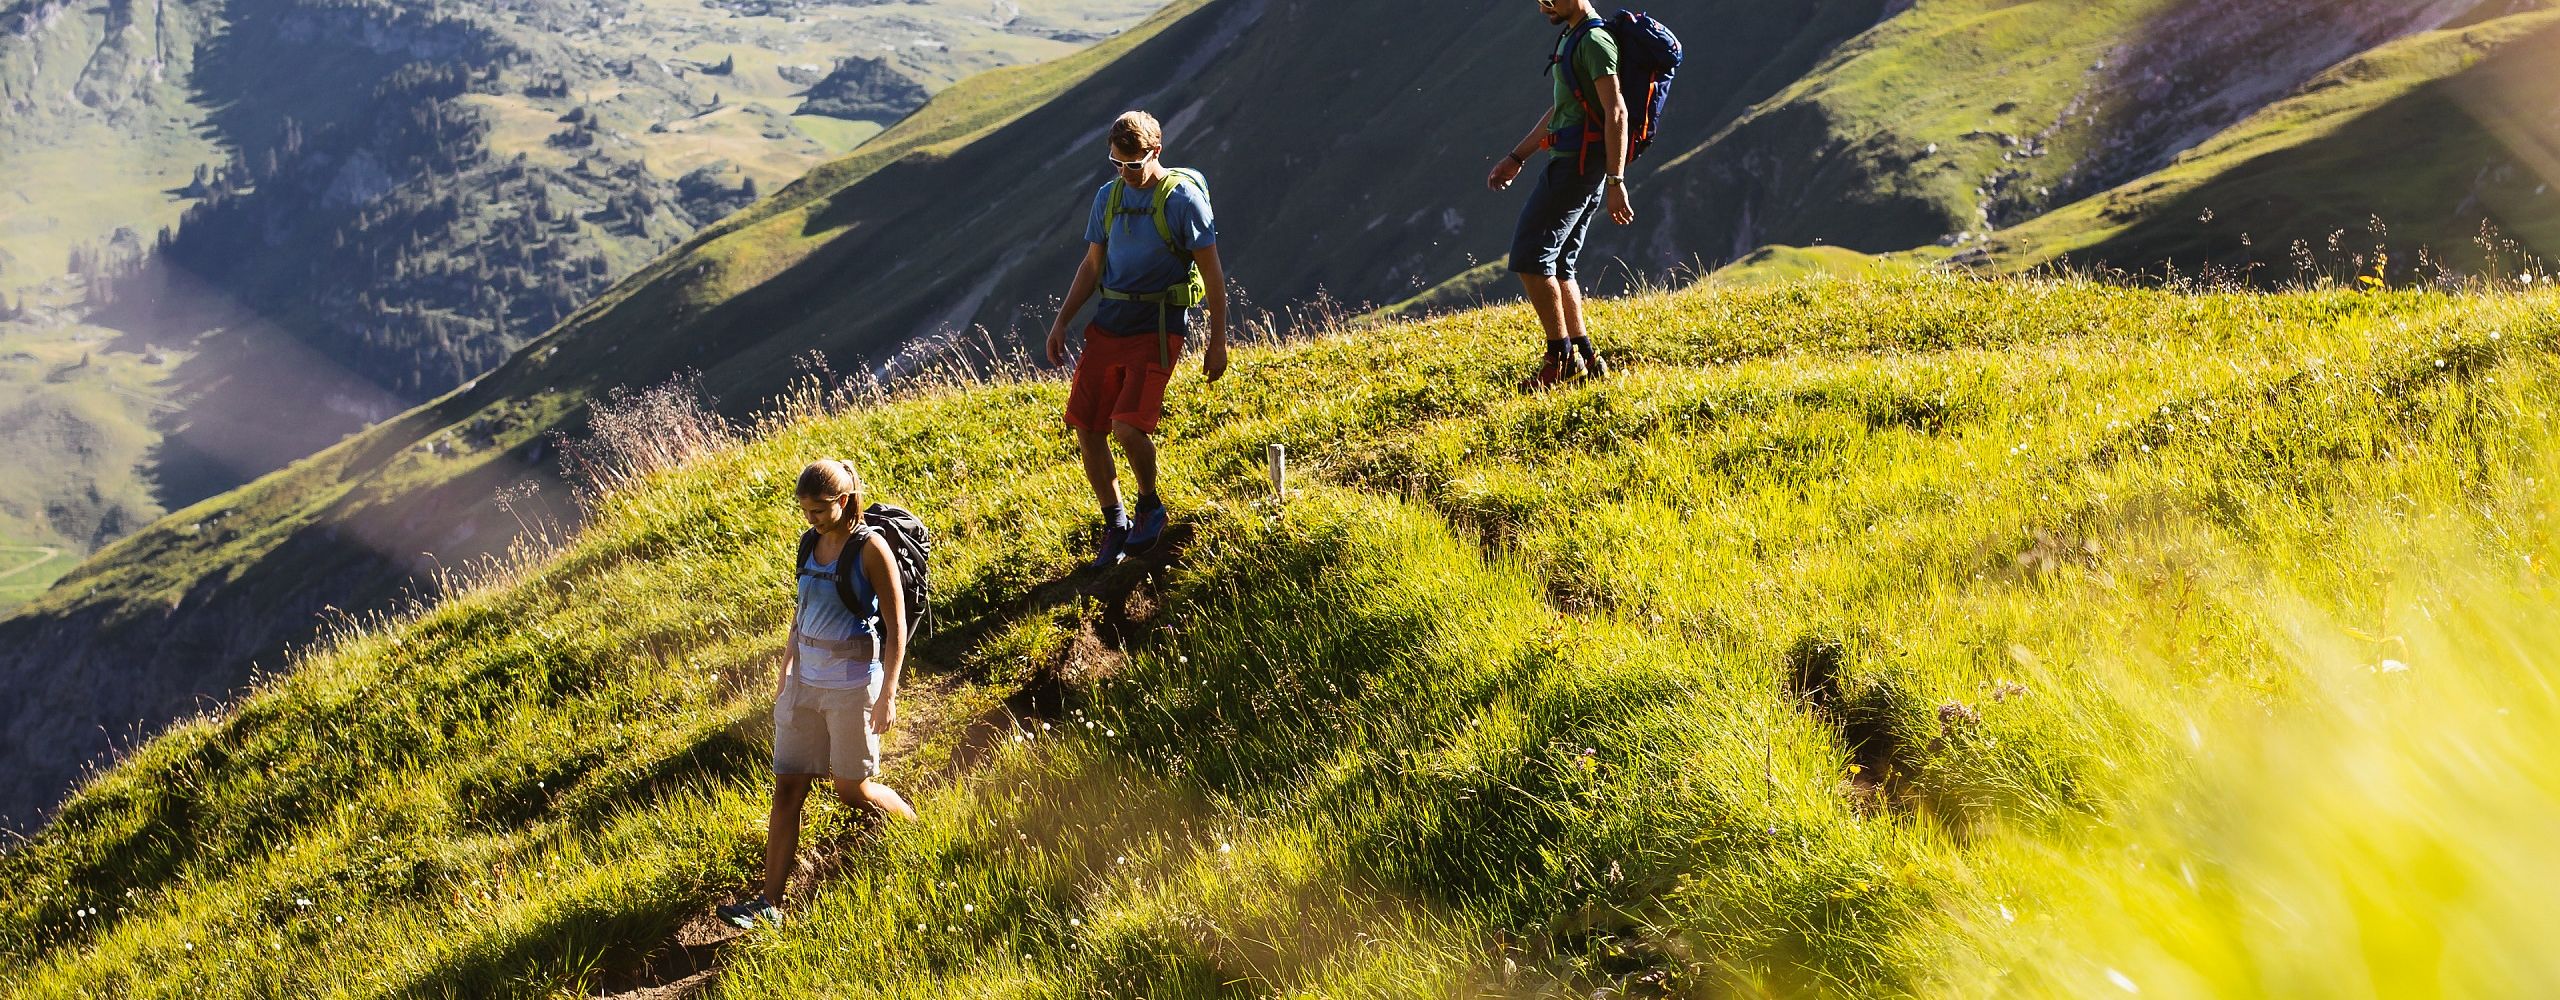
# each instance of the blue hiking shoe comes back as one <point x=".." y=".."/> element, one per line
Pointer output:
<point x="1150" y="527"/>
<point x="1115" y="539"/>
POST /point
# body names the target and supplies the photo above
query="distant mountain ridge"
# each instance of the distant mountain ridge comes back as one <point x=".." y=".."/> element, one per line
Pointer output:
<point x="365" y="204"/>
<point x="1346" y="165"/>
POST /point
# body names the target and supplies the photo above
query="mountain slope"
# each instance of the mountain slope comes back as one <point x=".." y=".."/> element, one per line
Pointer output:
<point x="366" y="204"/>
<point x="739" y="302"/>
<point x="1789" y="661"/>
<point x="184" y="607"/>
<point x="1336" y="174"/>
<point x="2334" y="159"/>
<point x="1958" y="117"/>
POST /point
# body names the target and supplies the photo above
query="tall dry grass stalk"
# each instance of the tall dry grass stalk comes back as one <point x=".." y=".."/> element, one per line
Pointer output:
<point x="631" y="435"/>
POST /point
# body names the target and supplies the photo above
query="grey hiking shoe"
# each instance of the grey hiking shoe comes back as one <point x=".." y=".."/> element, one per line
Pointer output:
<point x="745" y="915"/>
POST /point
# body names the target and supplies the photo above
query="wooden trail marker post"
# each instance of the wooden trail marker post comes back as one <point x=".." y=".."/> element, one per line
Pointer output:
<point x="1278" y="457"/>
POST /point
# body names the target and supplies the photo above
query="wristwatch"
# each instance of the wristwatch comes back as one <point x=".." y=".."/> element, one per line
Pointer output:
<point x="1617" y="179"/>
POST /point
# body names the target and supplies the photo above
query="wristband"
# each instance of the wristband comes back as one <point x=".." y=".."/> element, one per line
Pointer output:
<point x="1515" y="157"/>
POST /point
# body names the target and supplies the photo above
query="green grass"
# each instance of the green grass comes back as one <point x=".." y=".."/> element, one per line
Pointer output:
<point x="1782" y="265"/>
<point x="75" y="431"/>
<point x="1898" y="635"/>
<point x="26" y="570"/>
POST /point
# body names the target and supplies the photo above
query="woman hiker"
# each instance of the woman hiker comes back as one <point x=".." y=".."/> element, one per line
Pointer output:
<point x="839" y="688"/>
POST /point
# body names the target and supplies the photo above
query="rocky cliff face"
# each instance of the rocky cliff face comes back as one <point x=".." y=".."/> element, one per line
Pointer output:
<point x="865" y="89"/>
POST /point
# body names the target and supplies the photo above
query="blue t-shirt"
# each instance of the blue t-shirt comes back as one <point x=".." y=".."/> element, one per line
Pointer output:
<point x="1138" y="261"/>
<point x="823" y="616"/>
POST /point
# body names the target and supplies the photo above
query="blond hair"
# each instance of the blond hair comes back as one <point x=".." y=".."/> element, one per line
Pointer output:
<point x="1137" y="131"/>
<point x="829" y="478"/>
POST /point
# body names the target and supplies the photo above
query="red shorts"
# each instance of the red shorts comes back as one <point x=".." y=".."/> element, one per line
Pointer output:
<point x="1120" y="379"/>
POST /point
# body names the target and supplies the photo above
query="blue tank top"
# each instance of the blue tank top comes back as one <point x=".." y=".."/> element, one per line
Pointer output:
<point x="823" y="616"/>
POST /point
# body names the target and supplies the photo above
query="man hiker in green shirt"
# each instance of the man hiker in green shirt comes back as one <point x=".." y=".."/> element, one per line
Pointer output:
<point x="1586" y="126"/>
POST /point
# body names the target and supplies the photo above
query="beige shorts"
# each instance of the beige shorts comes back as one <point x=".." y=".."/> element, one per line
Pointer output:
<point x="826" y="731"/>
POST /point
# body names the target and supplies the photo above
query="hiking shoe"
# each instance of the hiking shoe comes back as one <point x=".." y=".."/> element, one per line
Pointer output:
<point x="1551" y="373"/>
<point x="1593" y="367"/>
<point x="1115" y="540"/>
<point x="1150" y="526"/>
<point x="745" y="915"/>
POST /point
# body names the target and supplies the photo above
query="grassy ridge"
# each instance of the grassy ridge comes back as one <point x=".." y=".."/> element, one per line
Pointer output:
<point x="26" y="570"/>
<point x="74" y="429"/>
<point x="2330" y="159"/>
<point x="1787" y="661"/>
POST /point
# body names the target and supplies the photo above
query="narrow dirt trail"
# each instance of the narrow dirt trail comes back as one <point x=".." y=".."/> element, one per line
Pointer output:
<point x="688" y="962"/>
<point x="44" y="554"/>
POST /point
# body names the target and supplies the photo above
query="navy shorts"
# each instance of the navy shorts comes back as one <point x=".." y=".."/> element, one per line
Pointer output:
<point x="1558" y="216"/>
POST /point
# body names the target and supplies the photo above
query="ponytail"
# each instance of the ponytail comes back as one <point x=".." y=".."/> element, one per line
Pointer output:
<point x="829" y="478"/>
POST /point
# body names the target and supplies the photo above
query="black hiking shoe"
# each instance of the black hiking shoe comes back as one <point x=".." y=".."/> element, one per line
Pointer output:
<point x="1593" y="367"/>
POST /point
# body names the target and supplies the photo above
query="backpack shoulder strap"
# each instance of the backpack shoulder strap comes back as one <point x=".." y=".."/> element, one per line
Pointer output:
<point x="1111" y="211"/>
<point x="1173" y="178"/>
<point x="1564" y="54"/>
<point x="852" y="581"/>
<point x="808" y="547"/>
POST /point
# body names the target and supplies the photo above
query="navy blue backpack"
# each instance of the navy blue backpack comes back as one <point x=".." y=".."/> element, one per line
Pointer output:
<point x="1648" y="57"/>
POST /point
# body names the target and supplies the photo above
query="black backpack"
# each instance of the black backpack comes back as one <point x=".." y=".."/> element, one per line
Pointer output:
<point x="1648" y="57"/>
<point x="910" y="543"/>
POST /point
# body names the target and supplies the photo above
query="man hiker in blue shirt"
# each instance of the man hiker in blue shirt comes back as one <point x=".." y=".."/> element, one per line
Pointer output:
<point x="1586" y="126"/>
<point x="1151" y="249"/>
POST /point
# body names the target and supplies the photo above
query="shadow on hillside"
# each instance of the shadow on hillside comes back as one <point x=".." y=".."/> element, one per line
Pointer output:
<point x="250" y="400"/>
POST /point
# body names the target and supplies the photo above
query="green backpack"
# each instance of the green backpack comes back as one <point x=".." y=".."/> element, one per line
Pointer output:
<point x="1180" y="296"/>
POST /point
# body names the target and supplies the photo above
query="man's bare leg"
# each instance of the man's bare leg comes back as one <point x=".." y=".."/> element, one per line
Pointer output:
<point x="1547" y="298"/>
<point x="1140" y="447"/>
<point x="1569" y="308"/>
<point x="1095" y="447"/>
<point x="1558" y="304"/>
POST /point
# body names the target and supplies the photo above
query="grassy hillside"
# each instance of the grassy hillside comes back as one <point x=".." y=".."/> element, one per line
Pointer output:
<point x="374" y="202"/>
<point x="185" y="606"/>
<point x="965" y="215"/>
<point x="1908" y="635"/>
<point x="65" y="395"/>
<point x="2334" y="159"/>
<point x="1957" y="118"/>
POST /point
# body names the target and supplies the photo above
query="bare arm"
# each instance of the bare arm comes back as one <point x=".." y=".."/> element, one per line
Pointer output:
<point x="1613" y="114"/>
<point x="1213" y="362"/>
<point x="1088" y="278"/>
<point x="1528" y="146"/>
<point x="882" y="570"/>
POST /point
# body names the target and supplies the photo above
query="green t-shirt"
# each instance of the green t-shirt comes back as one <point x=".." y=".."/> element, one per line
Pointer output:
<point x="1596" y="57"/>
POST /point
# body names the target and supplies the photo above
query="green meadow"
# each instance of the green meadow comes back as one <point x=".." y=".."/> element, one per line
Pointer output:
<point x="1894" y="635"/>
